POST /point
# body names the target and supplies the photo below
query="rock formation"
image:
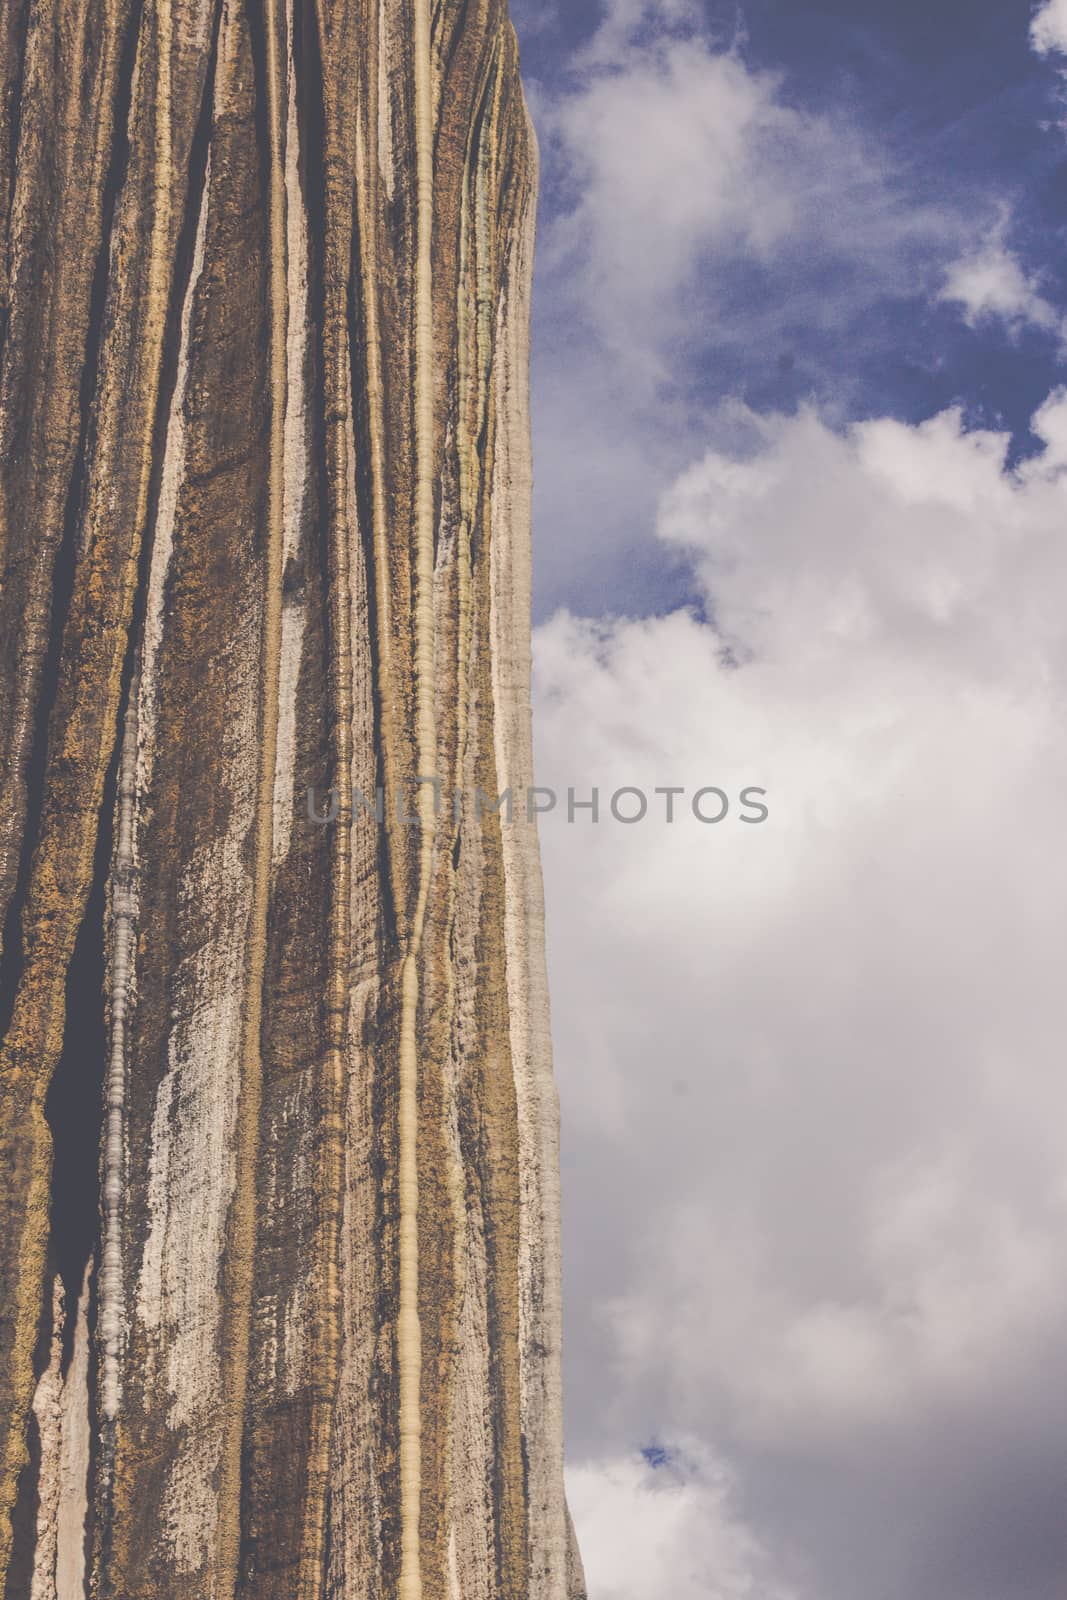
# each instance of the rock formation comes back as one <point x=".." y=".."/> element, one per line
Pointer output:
<point x="279" y="1243"/>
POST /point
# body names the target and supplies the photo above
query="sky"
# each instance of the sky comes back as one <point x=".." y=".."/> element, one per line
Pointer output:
<point x="800" y="442"/>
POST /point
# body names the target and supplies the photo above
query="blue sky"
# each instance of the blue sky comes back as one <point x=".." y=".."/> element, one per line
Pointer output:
<point x="945" y="123"/>
<point x="800" y="437"/>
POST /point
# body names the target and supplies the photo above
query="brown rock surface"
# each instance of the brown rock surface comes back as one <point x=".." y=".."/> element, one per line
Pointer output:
<point x="279" y="1244"/>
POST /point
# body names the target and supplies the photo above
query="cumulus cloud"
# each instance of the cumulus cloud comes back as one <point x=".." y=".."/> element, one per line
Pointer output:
<point x="662" y="1522"/>
<point x="992" y="285"/>
<point x="814" y="1108"/>
<point x="699" y="229"/>
<point x="812" y="1068"/>
<point x="1048" y="28"/>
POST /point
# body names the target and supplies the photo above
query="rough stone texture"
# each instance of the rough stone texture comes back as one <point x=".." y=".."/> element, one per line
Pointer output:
<point x="279" y="1244"/>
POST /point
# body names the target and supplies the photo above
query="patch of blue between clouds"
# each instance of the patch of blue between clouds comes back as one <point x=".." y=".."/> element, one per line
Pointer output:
<point x="969" y="120"/>
<point x="956" y="95"/>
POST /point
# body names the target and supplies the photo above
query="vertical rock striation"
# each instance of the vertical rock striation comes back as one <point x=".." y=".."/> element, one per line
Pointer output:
<point x="279" y="1251"/>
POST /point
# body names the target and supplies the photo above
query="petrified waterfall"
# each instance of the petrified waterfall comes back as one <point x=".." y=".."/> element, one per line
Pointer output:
<point x="279" y="1251"/>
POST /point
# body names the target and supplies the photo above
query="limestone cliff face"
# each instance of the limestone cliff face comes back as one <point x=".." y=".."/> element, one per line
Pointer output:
<point x="279" y="1244"/>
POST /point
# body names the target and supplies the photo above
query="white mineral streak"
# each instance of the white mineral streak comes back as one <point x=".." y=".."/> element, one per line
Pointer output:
<point x="48" y="1410"/>
<point x="191" y="1507"/>
<point x="61" y="1407"/>
<point x="540" y="1318"/>
<point x="297" y="464"/>
<point x="297" y="1320"/>
<point x="160" y="254"/>
<point x="123" y="907"/>
<point x="455" y="1592"/>
<point x="163" y="534"/>
<point x="135" y="776"/>
<point x="192" y="1160"/>
<point x="385" y="101"/>
<point x="74" y="1459"/>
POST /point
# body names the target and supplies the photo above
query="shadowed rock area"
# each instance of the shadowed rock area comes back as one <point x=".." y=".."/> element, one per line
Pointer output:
<point x="279" y="1228"/>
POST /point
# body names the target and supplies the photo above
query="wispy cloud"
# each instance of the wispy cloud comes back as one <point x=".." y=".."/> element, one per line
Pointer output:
<point x="676" y="161"/>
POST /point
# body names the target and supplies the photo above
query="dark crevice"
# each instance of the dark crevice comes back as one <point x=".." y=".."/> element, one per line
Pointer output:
<point x="76" y="1148"/>
<point x="24" y="1519"/>
<point x="74" y="1111"/>
<point x="73" y="1108"/>
<point x="75" y="1101"/>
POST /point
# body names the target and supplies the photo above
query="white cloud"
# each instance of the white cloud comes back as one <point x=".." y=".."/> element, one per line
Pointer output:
<point x="670" y="1529"/>
<point x="992" y="284"/>
<point x="1048" y="28"/>
<point x="814" y="1111"/>
<point x="812" y="1070"/>
<point x="664" y="149"/>
<point x="682" y="160"/>
<point x="698" y="230"/>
